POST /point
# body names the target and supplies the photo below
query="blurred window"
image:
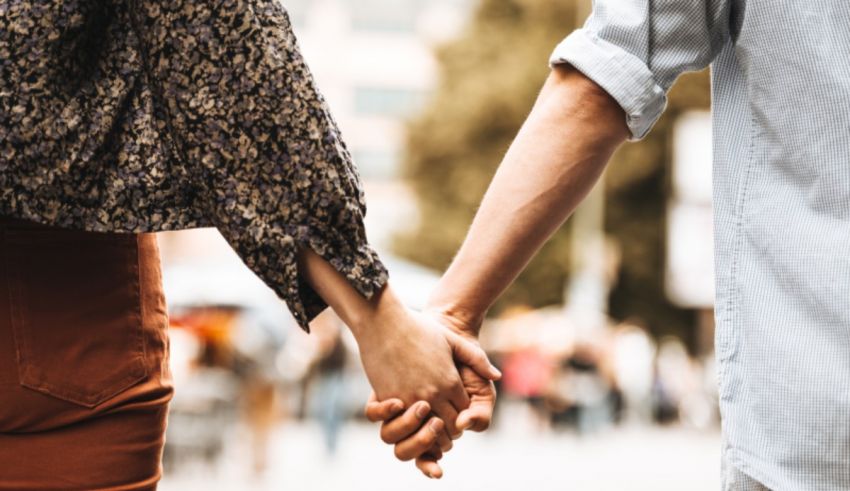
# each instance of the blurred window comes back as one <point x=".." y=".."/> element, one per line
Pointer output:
<point x="385" y="15"/>
<point x="376" y="164"/>
<point x="297" y="10"/>
<point x="374" y="101"/>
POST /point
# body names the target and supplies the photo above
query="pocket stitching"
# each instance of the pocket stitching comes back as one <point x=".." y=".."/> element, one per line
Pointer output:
<point x="135" y="285"/>
<point x="26" y="378"/>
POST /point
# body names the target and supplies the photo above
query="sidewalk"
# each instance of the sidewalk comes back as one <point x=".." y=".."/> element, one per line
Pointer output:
<point x="508" y="459"/>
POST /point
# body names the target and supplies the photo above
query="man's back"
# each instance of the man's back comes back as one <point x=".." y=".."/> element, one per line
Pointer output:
<point x="782" y="198"/>
<point x="781" y="94"/>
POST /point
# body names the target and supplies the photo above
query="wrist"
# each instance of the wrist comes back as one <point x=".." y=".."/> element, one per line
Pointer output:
<point x="463" y="319"/>
<point x="376" y="317"/>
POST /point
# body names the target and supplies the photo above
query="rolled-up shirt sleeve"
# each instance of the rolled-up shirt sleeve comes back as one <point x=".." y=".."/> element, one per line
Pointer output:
<point x="635" y="50"/>
<point x="270" y="170"/>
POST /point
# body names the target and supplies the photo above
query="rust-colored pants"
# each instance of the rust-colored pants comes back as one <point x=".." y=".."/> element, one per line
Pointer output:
<point x="84" y="379"/>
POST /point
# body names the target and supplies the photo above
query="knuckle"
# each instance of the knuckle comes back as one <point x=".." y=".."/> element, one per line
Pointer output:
<point x="430" y="394"/>
<point x="401" y="454"/>
<point x="386" y="437"/>
<point x="478" y="355"/>
<point x="427" y="440"/>
<point x="412" y="422"/>
<point x="452" y="383"/>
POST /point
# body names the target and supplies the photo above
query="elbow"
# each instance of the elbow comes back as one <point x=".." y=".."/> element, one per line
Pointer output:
<point x="575" y="97"/>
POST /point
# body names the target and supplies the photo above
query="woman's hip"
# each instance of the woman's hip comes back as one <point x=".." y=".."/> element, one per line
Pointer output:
<point x="84" y="373"/>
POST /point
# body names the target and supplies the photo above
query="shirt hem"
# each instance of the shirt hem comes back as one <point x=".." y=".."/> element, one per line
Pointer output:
<point x="739" y="460"/>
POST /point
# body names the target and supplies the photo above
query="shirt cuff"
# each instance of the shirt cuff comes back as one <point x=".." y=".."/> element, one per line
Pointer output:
<point x="351" y="256"/>
<point x="623" y="75"/>
<point x="271" y="252"/>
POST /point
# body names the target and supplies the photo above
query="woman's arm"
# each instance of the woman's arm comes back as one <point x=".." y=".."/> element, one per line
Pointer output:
<point x="406" y="355"/>
<point x="234" y="107"/>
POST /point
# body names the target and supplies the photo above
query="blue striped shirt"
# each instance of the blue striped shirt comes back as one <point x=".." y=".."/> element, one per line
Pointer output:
<point x="781" y="110"/>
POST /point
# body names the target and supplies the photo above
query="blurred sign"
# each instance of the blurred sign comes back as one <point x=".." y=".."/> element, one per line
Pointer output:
<point x="689" y="276"/>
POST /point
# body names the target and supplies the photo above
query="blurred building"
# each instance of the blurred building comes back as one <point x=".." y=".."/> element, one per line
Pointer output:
<point x="374" y="62"/>
<point x="689" y="265"/>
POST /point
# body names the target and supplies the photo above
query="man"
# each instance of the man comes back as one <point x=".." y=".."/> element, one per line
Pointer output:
<point x="781" y="95"/>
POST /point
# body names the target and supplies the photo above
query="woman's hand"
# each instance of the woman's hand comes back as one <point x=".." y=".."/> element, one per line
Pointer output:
<point x="414" y="432"/>
<point x="411" y="356"/>
<point x="406" y="355"/>
<point x="405" y="429"/>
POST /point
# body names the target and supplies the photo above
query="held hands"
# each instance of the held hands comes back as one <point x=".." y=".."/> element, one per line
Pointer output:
<point x="411" y="357"/>
<point x="415" y="432"/>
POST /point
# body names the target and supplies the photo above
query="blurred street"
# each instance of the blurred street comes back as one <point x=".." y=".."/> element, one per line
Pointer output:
<point x="605" y="342"/>
<point x="509" y="458"/>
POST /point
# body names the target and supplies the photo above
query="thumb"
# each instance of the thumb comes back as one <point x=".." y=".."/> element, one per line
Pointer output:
<point x="469" y="354"/>
<point x="477" y="417"/>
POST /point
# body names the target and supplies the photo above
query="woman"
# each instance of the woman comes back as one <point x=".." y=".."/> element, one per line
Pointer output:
<point x="122" y="118"/>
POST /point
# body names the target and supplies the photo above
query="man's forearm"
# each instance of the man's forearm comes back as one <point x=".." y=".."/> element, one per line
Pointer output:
<point x="557" y="156"/>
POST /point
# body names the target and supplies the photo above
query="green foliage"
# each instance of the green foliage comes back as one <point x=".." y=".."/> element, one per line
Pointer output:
<point x="489" y="79"/>
<point x="637" y="186"/>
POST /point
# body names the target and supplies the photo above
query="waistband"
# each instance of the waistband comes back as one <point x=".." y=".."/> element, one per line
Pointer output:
<point x="13" y="223"/>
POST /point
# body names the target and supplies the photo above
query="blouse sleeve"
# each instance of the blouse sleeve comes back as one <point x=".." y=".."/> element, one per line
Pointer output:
<point x="635" y="50"/>
<point x="249" y="124"/>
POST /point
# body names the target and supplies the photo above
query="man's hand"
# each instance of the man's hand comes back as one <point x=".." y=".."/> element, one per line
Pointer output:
<point x="406" y="355"/>
<point x="405" y="430"/>
<point x="411" y="356"/>
<point x="481" y="391"/>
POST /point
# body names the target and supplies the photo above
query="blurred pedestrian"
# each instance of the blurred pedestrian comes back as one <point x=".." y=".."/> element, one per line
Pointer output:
<point x="633" y="359"/>
<point x="527" y="376"/>
<point x="329" y="374"/>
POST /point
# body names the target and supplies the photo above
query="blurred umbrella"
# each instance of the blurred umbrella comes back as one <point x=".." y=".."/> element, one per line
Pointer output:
<point x="411" y="282"/>
<point x="218" y="281"/>
<point x="227" y="281"/>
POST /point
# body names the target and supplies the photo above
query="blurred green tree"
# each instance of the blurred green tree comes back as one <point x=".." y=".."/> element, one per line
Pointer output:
<point x="489" y="78"/>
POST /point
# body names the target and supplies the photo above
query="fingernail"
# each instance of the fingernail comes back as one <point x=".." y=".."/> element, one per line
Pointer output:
<point x="436" y="426"/>
<point x="396" y="406"/>
<point x="422" y="410"/>
<point x="496" y="372"/>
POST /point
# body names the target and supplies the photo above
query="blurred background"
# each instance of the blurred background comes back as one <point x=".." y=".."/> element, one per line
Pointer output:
<point x="606" y="341"/>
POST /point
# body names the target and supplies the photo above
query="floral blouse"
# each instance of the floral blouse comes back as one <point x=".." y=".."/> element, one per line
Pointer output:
<point x="150" y="115"/>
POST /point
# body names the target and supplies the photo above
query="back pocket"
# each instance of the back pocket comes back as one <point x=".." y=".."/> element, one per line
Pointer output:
<point x="76" y="312"/>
